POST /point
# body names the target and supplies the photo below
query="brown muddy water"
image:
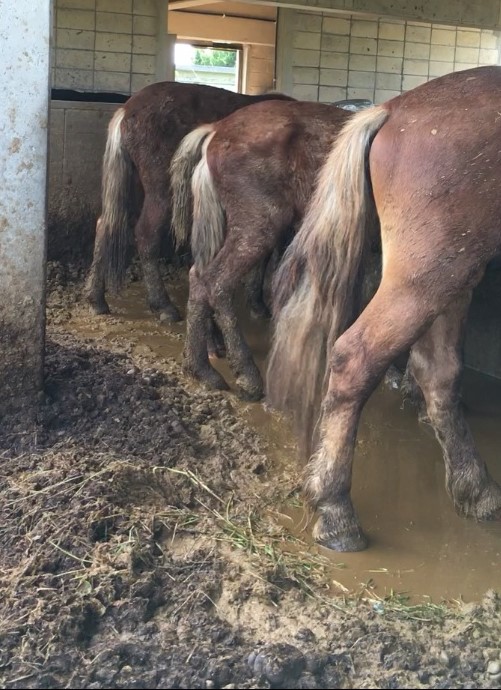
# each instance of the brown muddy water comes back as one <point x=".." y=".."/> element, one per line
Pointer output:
<point x="418" y="544"/>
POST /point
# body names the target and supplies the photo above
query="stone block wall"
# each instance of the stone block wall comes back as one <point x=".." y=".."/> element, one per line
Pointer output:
<point x="327" y="58"/>
<point x="104" y="45"/>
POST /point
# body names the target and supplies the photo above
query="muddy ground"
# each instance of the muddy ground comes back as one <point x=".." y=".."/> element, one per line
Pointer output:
<point x="140" y="549"/>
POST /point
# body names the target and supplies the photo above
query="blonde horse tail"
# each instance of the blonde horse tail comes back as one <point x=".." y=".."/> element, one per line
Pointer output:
<point x="317" y="284"/>
<point x="182" y="167"/>
<point x="209" y="218"/>
<point x="118" y="171"/>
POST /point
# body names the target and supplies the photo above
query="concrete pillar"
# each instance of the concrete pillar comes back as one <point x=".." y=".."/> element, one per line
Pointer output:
<point x="165" y="45"/>
<point x="170" y="67"/>
<point x="24" y="56"/>
<point x="284" y="50"/>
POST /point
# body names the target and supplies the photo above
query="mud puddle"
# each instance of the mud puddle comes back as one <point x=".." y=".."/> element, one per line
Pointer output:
<point x="418" y="544"/>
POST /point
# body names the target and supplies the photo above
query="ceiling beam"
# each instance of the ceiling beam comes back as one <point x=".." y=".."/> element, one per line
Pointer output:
<point x="187" y="4"/>
<point x="212" y="27"/>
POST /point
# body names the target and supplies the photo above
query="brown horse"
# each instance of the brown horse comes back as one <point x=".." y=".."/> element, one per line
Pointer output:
<point x="428" y="163"/>
<point x="142" y="138"/>
<point x="251" y="185"/>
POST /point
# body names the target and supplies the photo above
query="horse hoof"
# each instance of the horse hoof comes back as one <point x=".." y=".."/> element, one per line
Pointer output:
<point x="250" y="389"/>
<point x="210" y="378"/>
<point x="250" y="396"/>
<point x="170" y="314"/>
<point x="215" y="384"/>
<point x="99" y="308"/>
<point x="488" y="506"/>
<point x="350" y="540"/>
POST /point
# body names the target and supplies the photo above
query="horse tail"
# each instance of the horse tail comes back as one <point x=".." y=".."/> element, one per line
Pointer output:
<point x="182" y="166"/>
<point x="316" y="288"/>
<point x="118" y="170"/>
<point x="209" y="218"/>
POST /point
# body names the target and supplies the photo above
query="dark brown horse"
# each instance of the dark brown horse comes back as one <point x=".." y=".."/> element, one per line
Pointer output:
<point x="142" y="138"/>
<point x="251" y="185"/>
<point x="428" y="163"/>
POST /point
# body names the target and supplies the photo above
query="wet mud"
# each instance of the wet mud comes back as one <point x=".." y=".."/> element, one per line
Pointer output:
<point x="417" y="542"/>
<point x="153" y="536"/>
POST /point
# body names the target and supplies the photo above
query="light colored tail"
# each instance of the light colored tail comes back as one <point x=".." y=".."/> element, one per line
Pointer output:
<point x="118" y="170"/>
<point x="209" y="219"/>
<point x="316" y="289"/>
<point x="182" y="166"/>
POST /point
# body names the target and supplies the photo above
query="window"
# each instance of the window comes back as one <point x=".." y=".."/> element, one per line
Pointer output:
<point x="212" y="65"/>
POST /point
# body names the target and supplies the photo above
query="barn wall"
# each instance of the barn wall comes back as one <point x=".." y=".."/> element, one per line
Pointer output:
<point x="328" y="58"/>
<point x="77" y="138"/>
<point x="105" y="45"/>
<point x="98" y="46"/>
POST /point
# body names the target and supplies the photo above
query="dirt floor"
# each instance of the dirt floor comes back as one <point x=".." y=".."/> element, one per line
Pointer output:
<point x="140" y="546"/>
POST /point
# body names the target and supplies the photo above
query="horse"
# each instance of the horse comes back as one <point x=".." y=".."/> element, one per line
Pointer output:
<point x="423" y="170"/>
<point x="251" y="176"/>
<point x="142" y="138"/>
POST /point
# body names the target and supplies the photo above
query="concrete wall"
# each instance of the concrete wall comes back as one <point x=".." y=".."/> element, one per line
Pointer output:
<point x="76" y="144"/>
<point x="24" y="56"/>
<point x="329" y="58"/>
<point x="259" y="69"/>
<point x="482" y="14"/>
<point x="105" y="45"/>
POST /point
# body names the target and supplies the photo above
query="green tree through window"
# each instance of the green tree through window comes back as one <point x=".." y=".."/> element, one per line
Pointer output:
<point x="215" y="58"/>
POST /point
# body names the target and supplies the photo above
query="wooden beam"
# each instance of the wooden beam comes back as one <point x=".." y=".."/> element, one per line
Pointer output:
<point x="222" y="29"/>
<point x="186" y="4"/>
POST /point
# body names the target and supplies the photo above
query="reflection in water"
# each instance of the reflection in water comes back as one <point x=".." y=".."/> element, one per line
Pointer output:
<point x="417" y="542"/>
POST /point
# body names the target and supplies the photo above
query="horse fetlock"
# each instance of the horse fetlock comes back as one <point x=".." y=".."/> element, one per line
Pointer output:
<point x="337" y="528"/>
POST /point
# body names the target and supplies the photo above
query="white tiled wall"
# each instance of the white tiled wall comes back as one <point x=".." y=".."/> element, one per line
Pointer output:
<point x="332" y="58"/>
<point x="104" y="45"/>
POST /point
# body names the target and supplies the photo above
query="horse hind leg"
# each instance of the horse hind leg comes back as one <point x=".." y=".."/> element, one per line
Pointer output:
<point x="392" y="321"/>
<point x="95" y="284"/>
<point x="153" y="220"/>
<point x="254" y="284"/>
<point x="216" y="349"/>
<point x="436" y="364"/>
<point x="222" y="278"/>
<point x="198" y="336"/>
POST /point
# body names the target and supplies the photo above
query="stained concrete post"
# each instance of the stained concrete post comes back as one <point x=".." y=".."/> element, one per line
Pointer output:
<point x="165" y="45"/>
<point x="24" y="57"/>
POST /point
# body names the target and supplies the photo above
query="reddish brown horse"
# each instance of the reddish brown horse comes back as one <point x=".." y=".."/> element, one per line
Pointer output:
<point x="428" y="163"/>
<point x="142" y="138"/>
<point x="252" y="184"/>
